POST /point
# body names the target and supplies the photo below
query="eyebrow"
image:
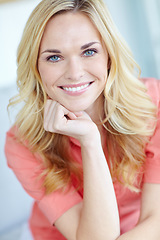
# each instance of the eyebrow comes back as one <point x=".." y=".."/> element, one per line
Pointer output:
<point x="51" y="51"/>
<point x="58" y="51"/>
<point x="88" y="45"/>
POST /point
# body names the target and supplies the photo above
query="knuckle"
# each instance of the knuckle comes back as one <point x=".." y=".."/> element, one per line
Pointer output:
<point x="57" y="127"/>
<point x="52" y="127"/>
<point x="45" y="126"/>
<point x="58" y="107"/>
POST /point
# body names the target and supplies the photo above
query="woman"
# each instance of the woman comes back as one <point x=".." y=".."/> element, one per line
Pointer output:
<point x="83" y="145"/>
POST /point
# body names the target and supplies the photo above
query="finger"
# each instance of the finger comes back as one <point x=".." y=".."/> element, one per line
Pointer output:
<point x="71" y="115"/>
<point x="46" y="109"/>
<point x="51" y="110"/>
<point x="62" y="112"/>
<point x="67" y="113"/>
<point x="78" y="114"/>
<point x="56" y="117"/>
<point x="47" y="106"/>
<point x="82" y="114"/>
<point x="48" y="113"/>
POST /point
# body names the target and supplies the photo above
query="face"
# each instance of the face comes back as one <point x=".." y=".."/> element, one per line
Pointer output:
<point x="73" y="62"/>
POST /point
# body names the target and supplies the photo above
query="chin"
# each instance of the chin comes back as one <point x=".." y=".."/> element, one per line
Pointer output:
<point x="76" y="108"/>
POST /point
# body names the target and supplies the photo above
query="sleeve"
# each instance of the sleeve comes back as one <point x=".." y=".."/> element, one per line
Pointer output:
<point x="27" y="168"/>
<point x="152" y="151"/>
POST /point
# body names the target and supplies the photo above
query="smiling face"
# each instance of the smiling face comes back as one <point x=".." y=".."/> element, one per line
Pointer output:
<point x="73" y="62"/>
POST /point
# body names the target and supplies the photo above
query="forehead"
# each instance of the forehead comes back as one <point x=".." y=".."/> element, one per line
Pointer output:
<point x="70" y="27"/>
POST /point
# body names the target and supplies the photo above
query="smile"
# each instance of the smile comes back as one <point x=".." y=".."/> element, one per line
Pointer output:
<point x="76" y="89"/>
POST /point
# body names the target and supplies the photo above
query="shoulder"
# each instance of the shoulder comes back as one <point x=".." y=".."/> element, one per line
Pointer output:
<point x="15" y="150"/>
<point x="26" y="166"/>
<point x="152" y="150"/>
<point x="153" y="89"/>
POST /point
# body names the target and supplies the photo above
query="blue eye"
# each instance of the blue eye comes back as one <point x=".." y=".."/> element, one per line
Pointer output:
<point x="90" y="52"/>
<point x="53" y="58"/>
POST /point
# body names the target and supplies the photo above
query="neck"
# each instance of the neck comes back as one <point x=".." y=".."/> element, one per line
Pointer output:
<point x="96" y="111"/>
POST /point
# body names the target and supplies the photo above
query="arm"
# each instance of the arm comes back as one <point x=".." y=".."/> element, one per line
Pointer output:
<point x="97" y="217"/>
<point x="148" y="225"/>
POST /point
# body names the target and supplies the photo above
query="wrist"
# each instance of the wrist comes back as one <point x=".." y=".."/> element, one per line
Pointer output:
<point x="92" y="141"/>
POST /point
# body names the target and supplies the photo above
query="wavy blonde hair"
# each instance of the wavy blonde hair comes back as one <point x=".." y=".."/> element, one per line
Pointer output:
<point x="127" y="107"/>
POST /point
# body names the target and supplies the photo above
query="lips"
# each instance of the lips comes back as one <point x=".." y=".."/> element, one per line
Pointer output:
<point x="76" y="87"/>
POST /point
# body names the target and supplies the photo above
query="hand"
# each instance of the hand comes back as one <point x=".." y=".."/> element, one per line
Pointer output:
<point x="58" y="119"/>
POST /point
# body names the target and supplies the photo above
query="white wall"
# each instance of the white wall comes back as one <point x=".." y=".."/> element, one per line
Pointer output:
<point x="15" y="204"/>
<point x="13" y="17"/>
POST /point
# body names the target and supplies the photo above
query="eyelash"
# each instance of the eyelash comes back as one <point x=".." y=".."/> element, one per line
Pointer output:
<point x="49" y="58"/>
<point x="83" y="53"/>
<point x="90" y="50"/>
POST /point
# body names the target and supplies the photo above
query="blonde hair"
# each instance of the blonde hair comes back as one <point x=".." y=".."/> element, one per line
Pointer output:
<point x="127" y="107"/>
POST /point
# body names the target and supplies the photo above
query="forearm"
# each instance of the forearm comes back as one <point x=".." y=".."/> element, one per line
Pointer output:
<point x="99" y="217"/>
<point x="145" y="230"/>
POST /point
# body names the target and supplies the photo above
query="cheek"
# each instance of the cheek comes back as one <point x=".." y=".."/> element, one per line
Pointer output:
<point x="99" y="67"/>
<point x="100" y="71"/>
<point x="103" y="70"/>
<point x="47" y="77"/>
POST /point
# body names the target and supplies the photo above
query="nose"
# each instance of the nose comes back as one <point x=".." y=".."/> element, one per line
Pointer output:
<point x="74" y="70"/>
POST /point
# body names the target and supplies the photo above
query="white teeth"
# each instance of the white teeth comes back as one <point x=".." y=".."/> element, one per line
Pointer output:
<point x="75" y="89"/>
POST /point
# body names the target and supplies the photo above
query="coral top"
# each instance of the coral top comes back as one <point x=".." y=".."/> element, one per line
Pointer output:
<point x="48" y="208"/>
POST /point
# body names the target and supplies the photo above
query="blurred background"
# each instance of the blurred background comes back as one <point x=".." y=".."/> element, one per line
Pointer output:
<point x="139" y="23"/>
